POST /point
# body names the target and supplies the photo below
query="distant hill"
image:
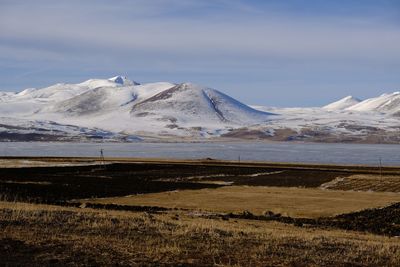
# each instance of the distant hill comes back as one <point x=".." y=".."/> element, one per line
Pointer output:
<point x="122" y="109"/>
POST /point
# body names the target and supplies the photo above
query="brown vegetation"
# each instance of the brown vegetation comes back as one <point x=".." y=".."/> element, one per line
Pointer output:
<point x="294" y="202"/>
<point x="38" y="235"/>
<point x="364" y="182"/>
<point x="148" y="232"/>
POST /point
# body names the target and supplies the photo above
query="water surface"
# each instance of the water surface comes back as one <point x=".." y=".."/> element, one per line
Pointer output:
<point x="277" y="152"/>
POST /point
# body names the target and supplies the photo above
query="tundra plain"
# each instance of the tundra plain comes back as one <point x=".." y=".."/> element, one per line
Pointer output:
<point x="197" y="213"/>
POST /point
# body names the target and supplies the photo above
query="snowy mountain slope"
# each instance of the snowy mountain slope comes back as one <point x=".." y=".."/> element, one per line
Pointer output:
<point x="195" y="105"/>
<point x="4" y="96"/>
<point x="120" y="105"/>
<point x="235" y="111"/>
<point x="123" y="80"/>
<point x="12" y="129"/>
<point x="76" y="98"/>
<point x="148" y="90"/>
<point x="31" y="101"/>
<point x="322" y="125"/>
<point x="343" y="103"/>
<point x="99" y="99"/>
<point x="166" y="111"/>
<point x="55" y="92"/>
<point x="105" y="100"/>
<point x="63" y="91"/>
<point x="386" y="103"/>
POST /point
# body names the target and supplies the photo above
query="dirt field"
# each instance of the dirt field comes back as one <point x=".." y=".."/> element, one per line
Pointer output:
<point x="281" y="215"/>
<point x="63" y="183"/>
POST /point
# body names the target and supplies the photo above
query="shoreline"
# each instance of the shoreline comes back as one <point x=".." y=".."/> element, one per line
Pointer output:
<point x="96" y="161"/>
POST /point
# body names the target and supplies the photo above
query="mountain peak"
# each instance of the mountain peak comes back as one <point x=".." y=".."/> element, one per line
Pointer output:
<point x="123" y="80"/>
<point x="343" y="103"/>
<point x="386" y="103"/>
<point x="189" y="85"/>
<point x="195" y="105"/>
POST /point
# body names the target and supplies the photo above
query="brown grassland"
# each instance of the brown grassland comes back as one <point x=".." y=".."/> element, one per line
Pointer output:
<point x="365" y="182"/>
<point x="294" y="202"/>
<point x="203" y="213"/>
<point x="42" y="235"/>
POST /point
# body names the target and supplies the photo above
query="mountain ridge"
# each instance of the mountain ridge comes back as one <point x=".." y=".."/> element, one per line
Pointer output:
<point x="186" y="111"/>
<point x="343" y="103"/>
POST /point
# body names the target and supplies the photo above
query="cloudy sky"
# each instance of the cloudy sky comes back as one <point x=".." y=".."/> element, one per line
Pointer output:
<point x="275" y="53"/>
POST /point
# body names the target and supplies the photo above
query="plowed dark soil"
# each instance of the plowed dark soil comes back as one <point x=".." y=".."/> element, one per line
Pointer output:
<point x="55" y="184"/>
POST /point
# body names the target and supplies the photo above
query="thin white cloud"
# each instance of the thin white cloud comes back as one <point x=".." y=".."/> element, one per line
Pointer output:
<point x="68" y="30"/>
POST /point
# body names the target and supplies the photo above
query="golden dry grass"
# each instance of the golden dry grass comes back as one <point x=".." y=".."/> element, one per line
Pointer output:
<point x="39" y="235"/>
<point x="22" y="163"/>
<point x="294" y="202"/>
<point x="365" y="182"/>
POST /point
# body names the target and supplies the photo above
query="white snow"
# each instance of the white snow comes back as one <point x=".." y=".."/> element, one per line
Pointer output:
<point x="387" y="103"/>
<point x="6" y="95"/>
<point x="18" y="126"/>
<point x="343" y="103"/>
<point x="123" y="80"/>
<point x="191" y="105"/>
<point x="120" y="105"/>
<point x="164" y="109"/>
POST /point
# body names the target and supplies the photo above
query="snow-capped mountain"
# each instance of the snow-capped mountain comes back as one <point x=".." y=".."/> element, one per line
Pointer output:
<point x="13" y="129"/>
<point x="343" y="103"/>
<point x="386" y="103"/>
<point x="123" y="80"/>
<point x="198" y="106"/>
<point x="123" y="106"/>
<point x="100" y="100"/>
<point x="119" y="109"/>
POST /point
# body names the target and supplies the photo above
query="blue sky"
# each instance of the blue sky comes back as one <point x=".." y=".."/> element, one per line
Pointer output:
<point x="275" y="53"/>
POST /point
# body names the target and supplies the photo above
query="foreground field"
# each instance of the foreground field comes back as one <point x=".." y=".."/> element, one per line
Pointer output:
<point x="293" y="202"/>
<point x="197" y="214"/>
<point x="41" y="235"/>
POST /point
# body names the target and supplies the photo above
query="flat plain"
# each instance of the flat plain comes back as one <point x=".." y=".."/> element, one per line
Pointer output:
<point x="293" y="202"/>
<point x="204" y="213"/>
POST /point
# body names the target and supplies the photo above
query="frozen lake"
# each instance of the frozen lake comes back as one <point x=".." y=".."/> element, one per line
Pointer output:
<point x="276" y="152"/>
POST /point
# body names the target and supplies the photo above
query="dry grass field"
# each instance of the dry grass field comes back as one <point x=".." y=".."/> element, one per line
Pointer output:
<point x="24" y="163"/>
<point x="293" y="202"/>
<point x="201" y="231"/>
<point x="41" y="235"/>
<point x="365" y="182"/>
